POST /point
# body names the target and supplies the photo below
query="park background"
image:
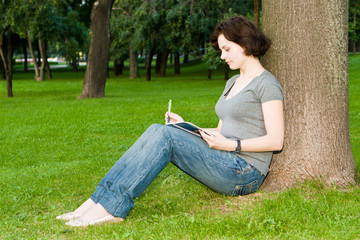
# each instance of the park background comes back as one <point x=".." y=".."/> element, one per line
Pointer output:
<point x="55" y="147"/>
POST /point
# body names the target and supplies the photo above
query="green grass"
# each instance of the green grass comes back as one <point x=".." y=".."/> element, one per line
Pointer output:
<point x="55" y="149"/>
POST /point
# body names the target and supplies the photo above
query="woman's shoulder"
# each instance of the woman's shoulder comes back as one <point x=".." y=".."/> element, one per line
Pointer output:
<point x="268" y="87"/>
<point x="267" y="79"/>
<point x="267" y="76"/>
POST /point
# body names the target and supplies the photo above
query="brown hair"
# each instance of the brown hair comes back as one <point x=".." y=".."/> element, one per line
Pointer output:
<point x="243" y="32"/>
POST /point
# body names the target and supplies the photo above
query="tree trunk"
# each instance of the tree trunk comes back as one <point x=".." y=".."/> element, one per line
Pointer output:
<point x="3" y="75"/>
<point x="134" y="65"/>
<point x="118" y="67"/>
<point x="6" y="54"/>
<point x="98" y="57"/>
<point x="47" y="65"/>
<point x="33" y="55"/>
<point x="209" y="73"/>
<point x="148" y="62"/>
<point x="74" y="64"/>
<point x="158" y="62"/>
<point x="309" y="56"/>
<point x="25" y="57"/>
<point x="43" y="62"/>
<point x="177" y="63"/>
<point x="186" y="58"/>
<point x="354" y="41"/>
<point x="163" y="62"/>
<point x="257" y="13"/>
<point x="226" y="72"/>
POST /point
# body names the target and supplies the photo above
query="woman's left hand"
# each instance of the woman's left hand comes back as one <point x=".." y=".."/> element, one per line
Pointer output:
<point x="217" y="141"/>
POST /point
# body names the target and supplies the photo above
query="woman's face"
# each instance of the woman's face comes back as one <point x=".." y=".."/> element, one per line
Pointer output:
<point x="232" y="53"/>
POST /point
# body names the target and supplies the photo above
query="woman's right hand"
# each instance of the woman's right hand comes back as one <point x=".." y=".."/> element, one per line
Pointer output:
<point x="171" y="117"/>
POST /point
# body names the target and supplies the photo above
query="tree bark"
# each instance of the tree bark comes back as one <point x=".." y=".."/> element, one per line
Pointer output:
<point x="25" y="57"/>
<point x="43" y="62"/>
<point x="148" y="62"/>
<point x="74" y="64"/>
<point x="186" y="58"/>
<point x="257" y="13"/>
<point x="177" y="63"/>
<point x="3" y="75"/>
<point x="47" y="65"/>
<point x="33" y="56"/>
<point x="6" y="54"/>
<point x="134" y="66"/>
<point x="226" y="72"/>
<point x="309" y="56"/>
<point x="158" y="62"/>
<point x="98" y="57"/>
<point x="163" y="63"/>
<point x="118" y="67"/>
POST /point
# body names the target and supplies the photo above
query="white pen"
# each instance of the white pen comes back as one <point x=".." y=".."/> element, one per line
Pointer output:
<point x="169" y="110"/>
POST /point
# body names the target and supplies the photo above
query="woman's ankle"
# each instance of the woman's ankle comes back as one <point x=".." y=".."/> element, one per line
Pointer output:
<point x="85" y="207"/>
<point x="96" y="212"/>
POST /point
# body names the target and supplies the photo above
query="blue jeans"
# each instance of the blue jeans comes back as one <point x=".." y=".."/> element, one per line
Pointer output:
<point x="222" y="171"/>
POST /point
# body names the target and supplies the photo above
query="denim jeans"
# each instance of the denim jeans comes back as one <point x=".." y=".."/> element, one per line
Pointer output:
<point x="222" y="171"/>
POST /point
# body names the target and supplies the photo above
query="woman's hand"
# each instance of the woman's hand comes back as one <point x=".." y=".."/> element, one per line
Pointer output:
<point x="171" y="117"/>
<point x="217" y="141"/>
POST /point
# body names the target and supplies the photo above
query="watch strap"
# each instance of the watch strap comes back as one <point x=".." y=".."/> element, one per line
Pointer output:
<point x="238" y="147"/>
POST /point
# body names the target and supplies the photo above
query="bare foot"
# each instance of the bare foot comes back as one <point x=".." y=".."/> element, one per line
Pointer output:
<point x="86" y="206"/>
<point x="96" y="212"/>
<point x="80" y="211"/>
<point x="95" y="216"/>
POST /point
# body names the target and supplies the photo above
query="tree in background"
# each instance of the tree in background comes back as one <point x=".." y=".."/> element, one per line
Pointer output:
<point x="212" y="59"/>
<point x="354" y="27"/>
<point x="47" y="25"/>
<point x="8" y="17"/>
<point x="309" y="55"/>
<point x="98" y="58"/>
<point x="120" y="36"/>
<point x="6" y="53"/>
<point x="124" y="44"/>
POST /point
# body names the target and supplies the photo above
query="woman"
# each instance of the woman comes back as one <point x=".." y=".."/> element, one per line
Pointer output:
<point x="233" y="160"/>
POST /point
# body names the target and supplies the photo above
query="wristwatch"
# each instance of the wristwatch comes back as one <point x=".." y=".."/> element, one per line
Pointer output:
<point x="238" y="147"/>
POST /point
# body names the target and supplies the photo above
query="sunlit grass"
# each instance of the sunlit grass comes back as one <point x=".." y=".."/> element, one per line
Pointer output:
<point x="55" y="148"/>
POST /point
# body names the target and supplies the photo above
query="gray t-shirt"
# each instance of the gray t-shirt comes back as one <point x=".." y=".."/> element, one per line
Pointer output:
<point x="242" y="116"/>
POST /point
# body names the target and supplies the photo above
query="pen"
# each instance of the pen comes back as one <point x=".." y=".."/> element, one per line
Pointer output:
<point x="169" y="110"/>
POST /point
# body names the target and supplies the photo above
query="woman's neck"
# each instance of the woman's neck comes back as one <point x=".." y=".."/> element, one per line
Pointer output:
<point x="252" y="68"/>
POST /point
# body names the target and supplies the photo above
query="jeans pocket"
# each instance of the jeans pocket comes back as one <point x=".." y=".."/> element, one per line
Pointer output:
<point x="242" y="166"/>
<point x="247" y="188"/>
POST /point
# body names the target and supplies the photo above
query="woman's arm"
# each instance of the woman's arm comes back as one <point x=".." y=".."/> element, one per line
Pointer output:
<point x="272" y="141"/>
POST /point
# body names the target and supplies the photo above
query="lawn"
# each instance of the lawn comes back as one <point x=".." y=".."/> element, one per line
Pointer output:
<point x="55" y="148"/>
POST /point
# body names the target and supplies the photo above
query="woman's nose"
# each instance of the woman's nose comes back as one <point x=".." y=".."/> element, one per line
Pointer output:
<point x="222" y="55"/>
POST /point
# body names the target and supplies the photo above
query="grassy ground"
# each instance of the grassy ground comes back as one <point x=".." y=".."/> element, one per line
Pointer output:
<point x="55" y="149"/>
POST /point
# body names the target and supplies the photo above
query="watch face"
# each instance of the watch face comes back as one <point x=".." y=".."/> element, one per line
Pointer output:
<point x="238" y="148"/>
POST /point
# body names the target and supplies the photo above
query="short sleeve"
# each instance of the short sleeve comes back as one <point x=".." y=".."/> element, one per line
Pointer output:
<point x="270" y="89"/>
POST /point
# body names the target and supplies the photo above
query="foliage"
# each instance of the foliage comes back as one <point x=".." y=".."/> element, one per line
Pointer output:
<point x="75" y="37"/>
<point x="354" y="29"/>
<point x="212" y="58"/>
<point x="180" y="25"/>
<point x="55" y="149"/>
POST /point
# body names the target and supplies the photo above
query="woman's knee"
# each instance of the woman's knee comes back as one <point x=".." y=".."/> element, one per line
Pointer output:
<point x="156" y="129"/>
